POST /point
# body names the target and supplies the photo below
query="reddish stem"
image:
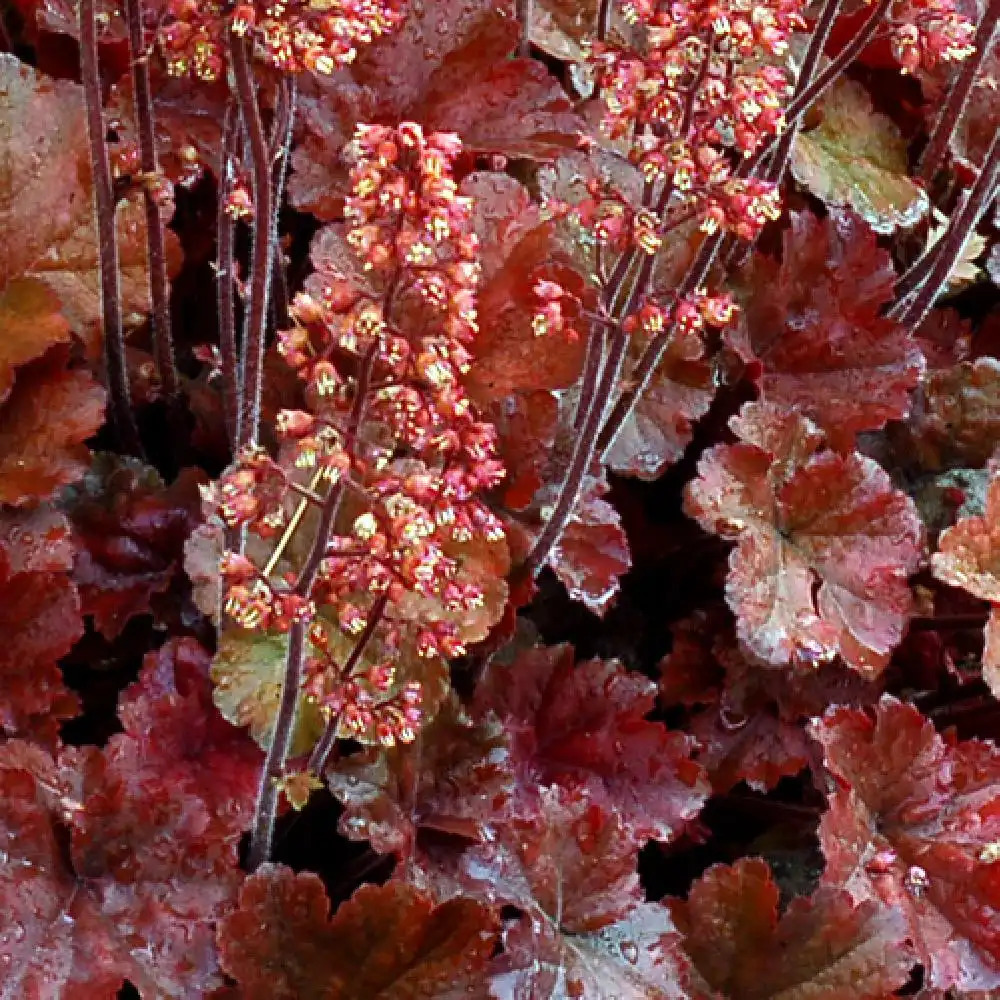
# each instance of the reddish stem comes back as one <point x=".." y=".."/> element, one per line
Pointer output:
<point x="937" y="147"/>
<point x="262" y="255"/>
<point x="104" y="198"/>
<point x="226" y="280"/>
<point x="807" y="74"/>
<point x="592" y="366"/>
<point x="266" y="809"/>
<point x="281" y="144"/>
<point x="159" y="285"/>
<point x="656" y="348"/>
<point x="604" y="19"/>
<point x="524" y="12"/>
<point x="584" y="451"/>
<point x="912" y="311"/>
<point x="320" y="756"/>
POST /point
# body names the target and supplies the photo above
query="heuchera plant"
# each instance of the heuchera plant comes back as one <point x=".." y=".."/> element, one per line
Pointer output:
<point x="500" y="500"/>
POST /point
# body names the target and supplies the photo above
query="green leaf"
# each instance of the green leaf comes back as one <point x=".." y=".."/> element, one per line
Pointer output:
<point x="856" y="158"/>
<point x="247" y="671"/>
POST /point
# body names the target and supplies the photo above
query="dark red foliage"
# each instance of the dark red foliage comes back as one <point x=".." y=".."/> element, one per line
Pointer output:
<point x="499" y="500"/>
<point x="916" y="825"/>
<point x="813" y="330"/>
<point x="388" y="941"/>
<point x="582" y="727"/>
<point x="130" y="531"/>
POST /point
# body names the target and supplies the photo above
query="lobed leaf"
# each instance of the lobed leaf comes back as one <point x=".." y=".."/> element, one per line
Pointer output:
<point x="386" y="941"/>
<point x="856" y="158"/>
<point x="812" y="325"/>
<point x="40" y="621"/>
<point x="117" y="865"/>
<point x="917" y="827"/>
<point x="746" y="716"/>
<point x="825" y="544"/>
<point x="583" y="727"/>
<point x="47" y="213"/>
<point x="456" y="777"/>
<point x="130" y="531"/>
<point x="825" y="945"/>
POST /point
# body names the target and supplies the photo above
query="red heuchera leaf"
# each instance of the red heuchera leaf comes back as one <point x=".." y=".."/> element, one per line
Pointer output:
<point x="448" y="67"/>
<point x="659" y="429"/>
<point x="750" y="727"/>
<point x="29" y="313"/>
<point x="823" y="946"/>
<point x="175" y="738"/>
<point x="47" y="213"/>
<point x="105" y="882"/>
<point x="584" y="727"/>
<point x="635" y="958"/>
<point x="593" y="553"/>
<point x="387" y="941"/>
<point x="572" y="860"/>
<point x="130" y="531"/>
<point x="918" y="826"/>
<point x="510" y="358"/>
<point x="981" y="118"/>
<point x="44" y="421"/>
<point x="968" y="556"/>
<point x="526" y="426"/>
<point x="455" y="778"/>
<point x="956" y="420"/>
<point x="39" y="621"/>
<point x="812" y="323"/>
<point x="804" y="517"/>
<point x="585" y="932"/>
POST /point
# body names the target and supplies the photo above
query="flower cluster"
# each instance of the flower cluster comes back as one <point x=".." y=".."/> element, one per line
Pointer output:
<point x="707" y="85"/>
<point x="926" y="33"/>
<point x="555" y="304"/>
<point x="368" y="700"/>
<point x="294" y="36"/>
<point x="692" y="314"/>
<point x="389" y="443"/>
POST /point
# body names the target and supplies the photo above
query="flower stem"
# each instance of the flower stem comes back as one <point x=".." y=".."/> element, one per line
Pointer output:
<point x="810" y="63"/>
<point x="584" y="451"/>
<point x="592" y="366"/>
<point x="655" y="349"/>
<point x="604" y="10"/>
<point x="264" y="239"/>
<point x="524" y="13"/>
<point x="104" y="198"/>
<point x="159" y="286"/>
<point x="910" y="312"/>
<point x="937" y="147"/>
<point x="321" y="752"/>
<point x="225" y="276"/>
<point x="266" y="809"/>
<point x="281" y="145"/>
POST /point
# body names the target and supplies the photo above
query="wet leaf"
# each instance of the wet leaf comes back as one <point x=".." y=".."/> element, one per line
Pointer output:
<point x="856" y="158"/>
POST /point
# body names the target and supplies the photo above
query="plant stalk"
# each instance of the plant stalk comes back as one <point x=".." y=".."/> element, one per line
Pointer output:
<point x="910" y="312"/>
<point x="104" y="198"/>
<point x="159" y="285"/>
<point x="937" y="147"/>
<point x="264" y="239"/>
<point x="225" y="276"/>
<point x="266" y="809"/>
<point x="320" y="756"/>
